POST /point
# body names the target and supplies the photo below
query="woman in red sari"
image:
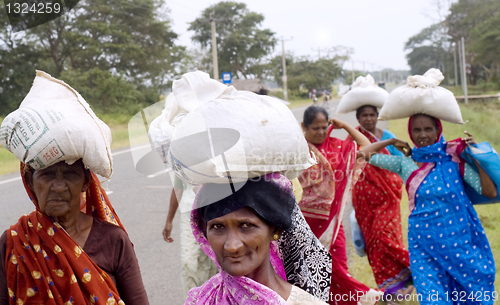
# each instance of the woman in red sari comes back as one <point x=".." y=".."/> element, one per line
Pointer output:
<point x="326" y="188"/>
<point x="376" y="199"/>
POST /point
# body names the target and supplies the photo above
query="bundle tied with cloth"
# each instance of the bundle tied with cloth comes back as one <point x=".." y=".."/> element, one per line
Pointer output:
<point x="54" y="123"/>
<point x="423" y="95"/>
<point x="243" y="149"/>
<point x="363" y="92"/>
<point x="210" y="132"/>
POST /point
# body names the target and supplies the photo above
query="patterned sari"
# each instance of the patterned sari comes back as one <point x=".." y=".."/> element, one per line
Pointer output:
<point x="45" y="266"/>
<point x="326" y="187"/>
<point x="376" y="199"/>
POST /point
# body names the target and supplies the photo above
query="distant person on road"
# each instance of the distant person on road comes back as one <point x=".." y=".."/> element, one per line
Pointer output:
<point x="376" y="200"/>
<point x="262" y="245"/>
<point x="326" y="188"/>
<point x="72" y="249"/>
<point x="196" y="267"/>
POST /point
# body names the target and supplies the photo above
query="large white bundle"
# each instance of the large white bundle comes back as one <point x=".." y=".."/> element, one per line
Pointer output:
<point x="54" y="123"/>
<point x="422" y="94"/>
<point x="363" y="92"/>
<point x="209" y="131"/>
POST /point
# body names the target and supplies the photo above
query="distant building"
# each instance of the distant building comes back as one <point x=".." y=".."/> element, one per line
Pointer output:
<point x="253" y="85"/>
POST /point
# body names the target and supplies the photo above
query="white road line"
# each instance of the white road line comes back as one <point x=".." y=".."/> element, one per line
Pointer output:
<point x="131" y="149"/>
<point x="158" y="173"/>
<point x="10" y="180"/>
<point x="114" y="154"/>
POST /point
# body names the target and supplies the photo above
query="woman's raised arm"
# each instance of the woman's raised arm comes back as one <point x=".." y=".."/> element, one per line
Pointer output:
<point x="367" y="151"/>
<point x="355" y="134"/>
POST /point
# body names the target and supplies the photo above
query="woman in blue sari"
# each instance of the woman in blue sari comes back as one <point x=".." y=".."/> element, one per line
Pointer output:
<point x="450" y="256"/>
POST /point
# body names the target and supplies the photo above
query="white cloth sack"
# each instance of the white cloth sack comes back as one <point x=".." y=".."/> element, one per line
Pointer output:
<point x="259" y="134"/>
<point x="363" y="92"/>
<point x="422" y="94"/>
<point x="54" y="123"/>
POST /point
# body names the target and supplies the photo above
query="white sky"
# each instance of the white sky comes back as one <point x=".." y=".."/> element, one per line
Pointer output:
<point x="376" y="29"/>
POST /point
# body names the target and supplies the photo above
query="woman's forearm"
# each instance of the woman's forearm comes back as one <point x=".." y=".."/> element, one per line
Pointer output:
<point x="369" y="150"/>
<point x="357" y="136"/>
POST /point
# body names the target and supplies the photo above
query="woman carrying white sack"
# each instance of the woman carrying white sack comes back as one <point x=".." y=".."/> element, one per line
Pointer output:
<point x="450" y="256"/>
<point x="215" y="136"/>
<point x="376" y="196"/>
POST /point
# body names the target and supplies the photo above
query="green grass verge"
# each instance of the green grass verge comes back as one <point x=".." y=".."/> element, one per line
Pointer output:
<point x="484" y="126"/>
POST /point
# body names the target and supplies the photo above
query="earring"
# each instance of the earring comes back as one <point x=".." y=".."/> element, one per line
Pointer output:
<point x="276" y="236"/>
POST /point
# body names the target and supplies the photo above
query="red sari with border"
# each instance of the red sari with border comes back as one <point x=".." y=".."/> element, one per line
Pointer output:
<point x="326" y="187"/>
<point x="45" y="266"/>
<point x="376" y="198"/>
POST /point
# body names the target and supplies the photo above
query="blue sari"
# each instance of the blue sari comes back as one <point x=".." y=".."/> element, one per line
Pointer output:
<point x="450" y="256"/>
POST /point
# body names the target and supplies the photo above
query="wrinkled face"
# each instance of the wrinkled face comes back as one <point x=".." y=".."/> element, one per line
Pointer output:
<point x="241" y="241"/>
<point x="424" y="131"/>
<point x="58" y="188"/>
<point x="317" y="131"/>
<point x="368" y="118"/>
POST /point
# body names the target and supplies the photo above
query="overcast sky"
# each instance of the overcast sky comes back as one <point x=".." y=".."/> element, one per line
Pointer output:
<point x="376" y="29"/>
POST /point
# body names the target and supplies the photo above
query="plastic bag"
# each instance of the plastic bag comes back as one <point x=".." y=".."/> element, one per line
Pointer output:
<point x="54" y="123"/>
<point x="212" y="133"/>
<point x="357" y="236"/>
<point x="363" y="92"/>
<point x="489" y="160"/>
<point x="422" y="94"/>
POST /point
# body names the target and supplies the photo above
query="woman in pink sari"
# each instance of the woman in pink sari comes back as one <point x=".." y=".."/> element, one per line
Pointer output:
<point x="326" y="187"/>
<point x="259" y="240"/>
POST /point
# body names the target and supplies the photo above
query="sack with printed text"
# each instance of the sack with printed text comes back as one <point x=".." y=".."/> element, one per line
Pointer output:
<point x="54" y="123"/>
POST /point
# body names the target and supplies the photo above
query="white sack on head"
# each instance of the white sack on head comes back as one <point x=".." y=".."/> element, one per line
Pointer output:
<point x="422" y="94"/>
<point x="209" y="130"/>
<point x="54" y="123"/>
<point x="363" y="92"/>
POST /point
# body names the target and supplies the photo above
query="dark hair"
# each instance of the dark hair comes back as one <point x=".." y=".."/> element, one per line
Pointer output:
<point x="360" y="109"/>
<point x="311" y="113"/>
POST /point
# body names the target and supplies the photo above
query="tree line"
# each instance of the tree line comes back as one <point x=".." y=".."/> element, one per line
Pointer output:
<point x="478" y="22"/>
<point x="121" y="55"/>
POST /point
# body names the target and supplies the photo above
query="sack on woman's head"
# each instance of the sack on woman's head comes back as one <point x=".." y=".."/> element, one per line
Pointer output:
<point x="209" y="131"/>
<point x="54" y="123"/>
<point x="363" y="92"/>
<point x="422" y="94"/>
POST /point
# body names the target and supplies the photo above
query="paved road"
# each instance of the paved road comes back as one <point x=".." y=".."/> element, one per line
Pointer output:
<point x="142" y="203"/>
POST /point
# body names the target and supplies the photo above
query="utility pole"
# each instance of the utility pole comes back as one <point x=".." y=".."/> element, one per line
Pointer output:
<point x="212" y="21"/>
<point x="319" y="51"/>
<point x="285" y="92"/>
<point x="464" y="74"/>
<point x="455" y="62"/>
<point x="214" y="47"/>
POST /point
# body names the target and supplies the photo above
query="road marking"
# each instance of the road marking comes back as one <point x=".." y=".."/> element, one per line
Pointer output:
<point x="131" y="149"/>
<point x="158" y="173"/>
<point x="10" y="180"/>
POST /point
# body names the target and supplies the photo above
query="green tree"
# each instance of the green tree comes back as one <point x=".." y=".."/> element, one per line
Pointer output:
<point x="102" y="46"/>
<point x="241" y="43"/>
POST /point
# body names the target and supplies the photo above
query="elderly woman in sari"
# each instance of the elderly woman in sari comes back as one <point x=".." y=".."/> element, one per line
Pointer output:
<point x="376" y="199"/>
<point x="262" y="245"/>
<point x="450" y="256"/>
<point x="326" y="186"/>
<point x="72" y="249"/>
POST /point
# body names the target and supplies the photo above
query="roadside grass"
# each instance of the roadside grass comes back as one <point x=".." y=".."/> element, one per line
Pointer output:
<point x="484" y="126"/>
<point x="299" y="103"/>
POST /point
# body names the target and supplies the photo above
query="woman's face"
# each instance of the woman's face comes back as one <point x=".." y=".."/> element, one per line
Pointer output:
<point x="424" y="131"/>
<point x="368" y="118"/>
<point x="241" y="241"/>
<point x="58" y="188"/>
<point x="317" y="131"/>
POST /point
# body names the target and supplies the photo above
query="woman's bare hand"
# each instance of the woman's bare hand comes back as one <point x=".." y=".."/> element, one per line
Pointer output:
<point x="167" y="231"/>
<point x="469" y="139"/>
<point x="403" y="147"/>
<point x="337" y="124"/>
